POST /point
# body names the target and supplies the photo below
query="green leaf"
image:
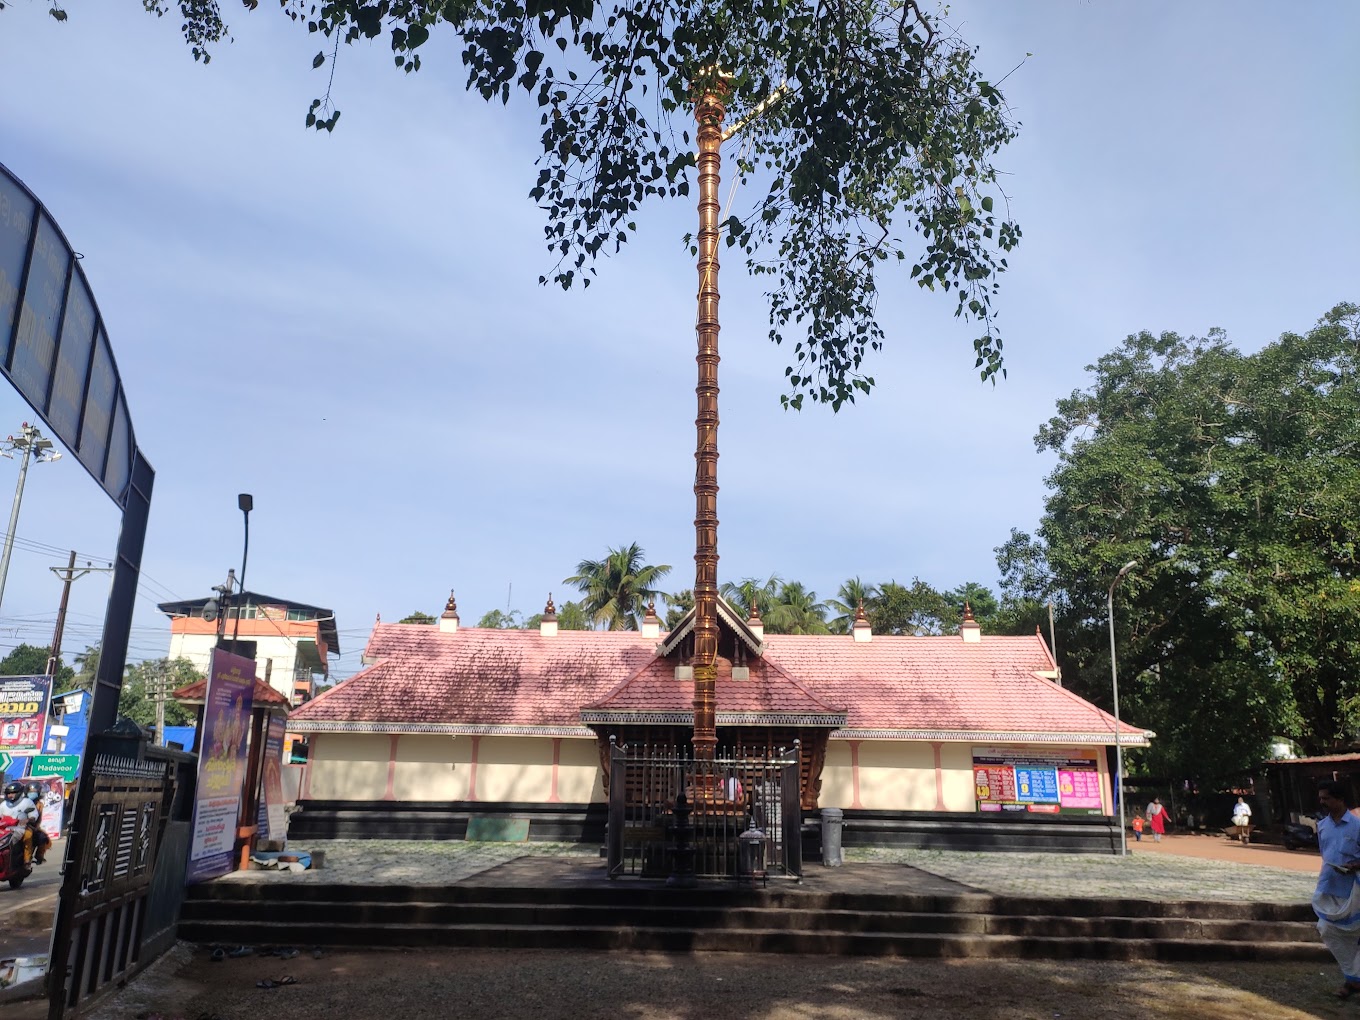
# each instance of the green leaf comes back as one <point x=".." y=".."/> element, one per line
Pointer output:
<point x="318" y="60"/>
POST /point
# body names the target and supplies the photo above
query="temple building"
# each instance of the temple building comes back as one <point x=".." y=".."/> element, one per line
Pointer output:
<point x="921" y="740"/>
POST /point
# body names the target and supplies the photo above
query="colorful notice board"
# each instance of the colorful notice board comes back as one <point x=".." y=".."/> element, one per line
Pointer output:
<point x="1042" y="780"/>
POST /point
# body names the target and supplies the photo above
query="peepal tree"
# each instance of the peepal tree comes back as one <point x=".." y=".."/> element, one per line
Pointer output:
<point x="1234" y="480"/>
<point x="868" y="140"/>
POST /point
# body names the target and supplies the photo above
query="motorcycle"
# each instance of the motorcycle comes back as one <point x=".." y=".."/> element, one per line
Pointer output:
<point x="1298" y="836"/>
<point x="13" y="868"/>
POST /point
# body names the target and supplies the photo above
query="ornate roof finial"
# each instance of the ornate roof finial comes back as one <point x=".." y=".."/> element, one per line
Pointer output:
<point x="550" y="609"/>
<point x="967" y="612"/>
<point x="755" y="613"/>
<point x="451" y="607"/>
<point x="377" y="619"/>
<point x="859" y="613"/>
<point x="651" y="610"/>
<point x="1037" y="631"/>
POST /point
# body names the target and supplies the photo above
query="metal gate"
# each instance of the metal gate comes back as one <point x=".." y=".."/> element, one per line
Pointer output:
<point x="736" y="794"/>
<point x="128" y="802"/>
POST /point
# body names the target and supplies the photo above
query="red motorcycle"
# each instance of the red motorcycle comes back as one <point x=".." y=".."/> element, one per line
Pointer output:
<point x="13" y="868"/>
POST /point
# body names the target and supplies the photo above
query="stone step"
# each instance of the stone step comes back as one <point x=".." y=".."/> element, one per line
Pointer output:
<point x="751" y="940"/>
<point x="695" y="918"/>
<point x="727" y="897"/>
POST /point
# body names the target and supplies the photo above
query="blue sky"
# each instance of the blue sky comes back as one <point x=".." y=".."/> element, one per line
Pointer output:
<point x="350" y="328"/>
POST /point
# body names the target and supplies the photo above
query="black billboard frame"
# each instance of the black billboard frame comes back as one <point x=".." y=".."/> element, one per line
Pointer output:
<point x="133" y="498"/>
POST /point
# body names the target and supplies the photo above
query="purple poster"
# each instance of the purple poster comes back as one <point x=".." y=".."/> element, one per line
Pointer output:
<point x="221" y="764"/>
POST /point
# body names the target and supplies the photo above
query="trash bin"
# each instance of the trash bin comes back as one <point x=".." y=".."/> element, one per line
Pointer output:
<point x="833" y="818"/>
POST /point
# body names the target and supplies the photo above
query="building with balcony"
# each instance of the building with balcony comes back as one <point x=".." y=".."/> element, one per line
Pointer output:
<point x="291" y="642"/>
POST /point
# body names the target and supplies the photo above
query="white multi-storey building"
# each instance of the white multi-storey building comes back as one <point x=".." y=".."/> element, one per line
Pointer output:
<point x="291" y="642"/>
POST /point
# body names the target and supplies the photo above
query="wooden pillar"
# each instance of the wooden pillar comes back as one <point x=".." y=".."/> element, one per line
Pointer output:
<point x="246" y="824"/>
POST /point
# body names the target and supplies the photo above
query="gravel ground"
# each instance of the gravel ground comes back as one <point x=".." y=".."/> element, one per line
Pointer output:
<point x="568" y="985"/>
<point x="1143" y="876"/>
<point x="1153" y="876"/>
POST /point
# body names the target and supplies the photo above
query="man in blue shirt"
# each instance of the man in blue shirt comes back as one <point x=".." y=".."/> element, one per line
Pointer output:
<point x="1337" y="898"/>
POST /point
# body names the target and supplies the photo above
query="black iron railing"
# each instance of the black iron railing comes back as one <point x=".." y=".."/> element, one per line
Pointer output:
<point x="737" y="793"/>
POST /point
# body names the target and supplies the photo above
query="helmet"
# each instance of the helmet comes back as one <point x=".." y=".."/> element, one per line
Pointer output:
<point x="13" y="792"/>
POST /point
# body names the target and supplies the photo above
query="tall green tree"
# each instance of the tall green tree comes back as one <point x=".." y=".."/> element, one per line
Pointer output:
<point x="615" y="590"/>
<point x="852" y="593"/>
<point x="1234" y="482"/>
<point x="31" y="660"/>
<point x="677" y="605"/>
<point x="144" y="681"/>
<point x="868" y="128"/>
<point x="749" y="592"/>
<point x="496" y="619"/>
<point x="87" y="665"/>
<point x="917" y="608"/>
<point x="796" y="611"/>
<point x="419" y="617"/>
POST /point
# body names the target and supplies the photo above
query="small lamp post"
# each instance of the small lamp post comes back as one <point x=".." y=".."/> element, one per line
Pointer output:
<point x="1118" y="736"/>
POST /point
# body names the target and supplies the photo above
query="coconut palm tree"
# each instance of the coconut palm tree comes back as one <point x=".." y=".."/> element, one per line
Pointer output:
<point x="847" y="601"/>
<point x="749" y="592"/>
<point x="617" y="588"/>
<point x="796" y="611"/>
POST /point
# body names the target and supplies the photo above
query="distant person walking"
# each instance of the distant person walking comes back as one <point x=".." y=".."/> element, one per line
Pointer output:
<point x="1156" y="816"/>
<point x="1337" y="898"/>
<point x="1138" y="828"/>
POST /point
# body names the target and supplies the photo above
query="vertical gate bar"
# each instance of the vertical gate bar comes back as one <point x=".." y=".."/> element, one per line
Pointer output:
<point x="615" y="824"/>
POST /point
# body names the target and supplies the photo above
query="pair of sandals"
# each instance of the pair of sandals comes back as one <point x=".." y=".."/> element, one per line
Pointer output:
<point x="287" y="979"/>
<point x="219" y="954"/>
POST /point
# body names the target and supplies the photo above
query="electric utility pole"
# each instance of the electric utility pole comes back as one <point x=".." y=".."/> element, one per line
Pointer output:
<point x="67" y="574"/>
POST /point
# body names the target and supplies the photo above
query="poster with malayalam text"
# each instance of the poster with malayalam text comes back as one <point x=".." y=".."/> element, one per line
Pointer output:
<point x="221" y="764"/>
<point x="1039" y="780"/>
<point x="272" y="820"/>
<point x="23" y="713"/>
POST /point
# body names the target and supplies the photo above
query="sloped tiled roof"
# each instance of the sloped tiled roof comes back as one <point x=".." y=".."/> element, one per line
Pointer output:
<point x="929" y="685"/>
<point x="424" y="679"/>
<point x="263" y="695"/>
<point x="519" y="681"/>
<point x="769" y="694"/>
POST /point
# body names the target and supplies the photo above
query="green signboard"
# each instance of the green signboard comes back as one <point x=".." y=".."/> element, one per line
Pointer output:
<point x="67" y="766"/>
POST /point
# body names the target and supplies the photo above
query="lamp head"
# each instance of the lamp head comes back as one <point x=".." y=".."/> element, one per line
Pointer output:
<point x="245" y="502"/>
<point x="1126" y="568"/>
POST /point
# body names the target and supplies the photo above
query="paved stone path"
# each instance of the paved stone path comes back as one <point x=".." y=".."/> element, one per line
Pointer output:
<point x="1162" y="875"/>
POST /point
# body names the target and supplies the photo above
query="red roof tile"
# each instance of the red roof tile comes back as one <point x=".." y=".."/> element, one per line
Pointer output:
<point x="940" y="684"/>
<point x="479" y="676"/>
<point x="769" y="690"/>
<point x="511" y="678"/>
<point x="264" y="694"/>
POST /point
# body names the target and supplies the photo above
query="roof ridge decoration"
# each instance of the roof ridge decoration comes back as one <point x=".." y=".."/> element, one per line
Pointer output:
<point x="727" y="615"/>
<point x="450" y="607"/>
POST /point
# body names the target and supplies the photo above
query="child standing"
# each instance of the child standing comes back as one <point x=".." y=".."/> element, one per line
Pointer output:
<point x="1138" y="828"/>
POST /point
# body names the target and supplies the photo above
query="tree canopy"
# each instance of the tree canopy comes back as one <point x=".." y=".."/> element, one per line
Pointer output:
<point x="616" y="589"/>
<point x="867" y="129"/>
<point x="31" y="660"/>
<point x="1234" y="481"/>
<point x="142" y="683"/>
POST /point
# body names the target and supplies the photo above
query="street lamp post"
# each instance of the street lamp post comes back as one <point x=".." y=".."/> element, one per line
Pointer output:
<point x="1118" y="736"/>
<point x="33" y="444"/>
<point x="245" y="502"/>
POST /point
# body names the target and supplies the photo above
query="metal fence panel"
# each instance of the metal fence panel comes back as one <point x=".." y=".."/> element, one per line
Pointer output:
<point x="735" y="793"/>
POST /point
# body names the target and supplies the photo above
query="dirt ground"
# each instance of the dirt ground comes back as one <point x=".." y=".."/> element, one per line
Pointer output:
<point x="567" y="985"/>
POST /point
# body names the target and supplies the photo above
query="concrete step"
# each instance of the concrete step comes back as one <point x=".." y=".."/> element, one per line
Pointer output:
<point x="752" y="940"/>
<point x="387" y="915"/>
<point x="728" y="897"/>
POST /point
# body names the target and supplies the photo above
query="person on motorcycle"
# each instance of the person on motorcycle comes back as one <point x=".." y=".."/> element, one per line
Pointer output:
<point x="42" y="842"/>
<point x="16" y="805"/>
